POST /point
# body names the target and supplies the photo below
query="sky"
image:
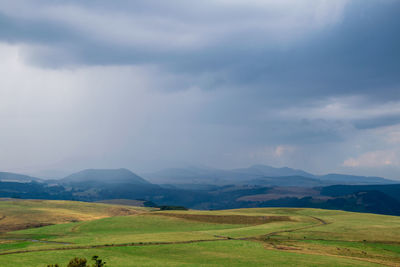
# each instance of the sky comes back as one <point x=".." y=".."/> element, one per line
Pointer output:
<point x="146" y="85"/>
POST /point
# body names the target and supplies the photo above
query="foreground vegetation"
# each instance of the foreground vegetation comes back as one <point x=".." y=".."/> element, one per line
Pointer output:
<point x="137" y="236"/>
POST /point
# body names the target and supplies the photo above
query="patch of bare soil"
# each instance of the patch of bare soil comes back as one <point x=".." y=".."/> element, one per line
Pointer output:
<point x="120" y="211"/>
<point x="227" y="219"/>
<point x="14" y="227"/>
<point x="286" y="248"/>
<point x="126" y="202"/>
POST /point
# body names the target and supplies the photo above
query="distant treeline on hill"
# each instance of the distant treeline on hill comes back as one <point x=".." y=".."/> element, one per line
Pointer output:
<point x="164" y="207"/>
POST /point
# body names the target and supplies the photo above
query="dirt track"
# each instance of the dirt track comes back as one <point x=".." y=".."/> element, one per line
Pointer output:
<point x="217" y="238"/>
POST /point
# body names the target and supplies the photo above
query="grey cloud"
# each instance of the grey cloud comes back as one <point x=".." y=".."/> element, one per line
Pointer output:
<point x="356" y="55"/>
<point x="216" y="75"/>
<point x="377" y="122"/>
<point x="353" y="56"/>
<point x="20" y="30"/>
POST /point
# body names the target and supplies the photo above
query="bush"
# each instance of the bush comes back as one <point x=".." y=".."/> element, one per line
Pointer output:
<point x="172" y="208"/>
<point x="82" y="262"/>
<point x="98" y="262"/>
<point x="77" y="262"/>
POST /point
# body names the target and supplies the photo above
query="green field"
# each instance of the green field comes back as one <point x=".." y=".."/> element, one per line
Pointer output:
<point x="135" y="236"/>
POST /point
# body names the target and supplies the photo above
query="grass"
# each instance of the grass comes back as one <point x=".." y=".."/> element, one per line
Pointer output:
<point x="22" y="214"/>
<point x="127" y="229"/>
<point x="242" y="237"/>
<point x="351" y="226"/>
<point x="220" y="253"/>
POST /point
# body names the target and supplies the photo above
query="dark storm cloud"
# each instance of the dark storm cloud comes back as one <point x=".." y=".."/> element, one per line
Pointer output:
<point x="32" y="30"/>
<point x="357" y="55"/>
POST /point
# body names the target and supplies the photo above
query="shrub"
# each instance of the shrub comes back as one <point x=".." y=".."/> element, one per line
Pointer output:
<point x="77" y="262"/>
<point x="82" y="262"/>
<point x="98" y="262"/>
<point x="172" y="208"/>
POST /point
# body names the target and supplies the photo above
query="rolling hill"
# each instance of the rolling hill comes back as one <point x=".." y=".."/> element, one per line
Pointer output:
<point x="241" y="237"/>
<point x="19" y="214"/>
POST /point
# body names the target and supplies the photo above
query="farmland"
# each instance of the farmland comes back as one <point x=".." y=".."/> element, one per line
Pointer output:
<point x="37" y="233"/>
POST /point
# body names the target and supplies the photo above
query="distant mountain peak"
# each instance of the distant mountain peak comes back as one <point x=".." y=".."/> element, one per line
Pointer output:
<point x="120" y="175"/>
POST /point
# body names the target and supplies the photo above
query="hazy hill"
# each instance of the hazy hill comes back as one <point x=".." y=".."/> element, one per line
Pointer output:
<point x="15" y="177"/>
<point x="325" y="180"/>
<point x="330" y="179"/>
<point x="192" y="175"/>
<point x="264" y="170"/>
<point x="202" y="175"/>
<point x="353" y="179"/>
<point x="105" y="176"/>
<point x="300" y="181"/>
<point x="256" y="174"/>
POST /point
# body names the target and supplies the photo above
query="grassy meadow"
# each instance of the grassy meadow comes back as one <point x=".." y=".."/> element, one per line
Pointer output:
<point x="49" y="232"/>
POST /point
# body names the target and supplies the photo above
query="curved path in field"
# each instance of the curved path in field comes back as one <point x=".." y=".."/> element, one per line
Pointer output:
<point x="319" y="222"/>
<point x="115" y="245"/>
<point x="217" y="238"/>
<point x="36" y="241"/>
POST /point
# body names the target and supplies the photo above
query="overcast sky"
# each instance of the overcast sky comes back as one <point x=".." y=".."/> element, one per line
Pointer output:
<point x="310" y="84"/>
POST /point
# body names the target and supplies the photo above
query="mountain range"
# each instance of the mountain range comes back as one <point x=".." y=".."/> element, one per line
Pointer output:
<point x="200" y="176"/>
<point x="256" y="174"/>
<point x="203" y="188"/>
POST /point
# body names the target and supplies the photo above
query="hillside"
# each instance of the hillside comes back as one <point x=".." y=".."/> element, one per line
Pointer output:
<point x="21" y="214"/>
<point x="392" y="190"/>
<point x="33" y="190"/>
<point x="242" y="237"/>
